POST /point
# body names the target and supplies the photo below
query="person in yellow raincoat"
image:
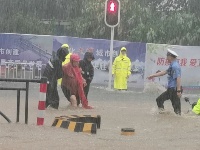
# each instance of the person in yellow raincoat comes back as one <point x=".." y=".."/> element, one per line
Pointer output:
<point x="121" y="70"/>
<point x="196" y="107"/>
<point x="67" y="60"/>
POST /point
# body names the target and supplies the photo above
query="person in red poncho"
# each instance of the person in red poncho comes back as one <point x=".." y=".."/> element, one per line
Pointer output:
<point x="73" y="83"/>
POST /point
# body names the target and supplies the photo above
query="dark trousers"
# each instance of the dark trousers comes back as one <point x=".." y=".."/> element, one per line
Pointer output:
<point x="171" y="94"/>
<point x="52" y="97"/>
<point x="86" y="89"/>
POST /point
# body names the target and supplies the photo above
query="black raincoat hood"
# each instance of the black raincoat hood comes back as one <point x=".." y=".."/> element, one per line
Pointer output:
<point x="89" y="55"/>
<point x="62" y="53"/>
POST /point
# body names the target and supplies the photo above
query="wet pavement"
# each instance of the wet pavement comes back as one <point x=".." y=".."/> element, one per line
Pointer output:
<point x="131" y="109"/>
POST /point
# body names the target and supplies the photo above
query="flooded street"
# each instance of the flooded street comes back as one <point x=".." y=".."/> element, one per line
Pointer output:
<point x="146" y="45"/>
<point x="117" y="109"/>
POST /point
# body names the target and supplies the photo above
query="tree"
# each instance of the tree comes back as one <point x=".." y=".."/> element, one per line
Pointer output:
<point x="157" y="21"/>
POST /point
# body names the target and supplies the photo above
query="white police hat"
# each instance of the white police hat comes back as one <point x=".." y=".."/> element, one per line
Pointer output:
<point x="172" y="52"/>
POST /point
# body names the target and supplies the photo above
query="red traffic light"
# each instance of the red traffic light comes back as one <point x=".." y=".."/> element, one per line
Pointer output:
<point x="112" y="7"/>
<point x="112" y="13"/>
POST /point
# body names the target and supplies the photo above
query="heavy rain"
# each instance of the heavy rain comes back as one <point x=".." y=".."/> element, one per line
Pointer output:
<point x="72" y="59"/>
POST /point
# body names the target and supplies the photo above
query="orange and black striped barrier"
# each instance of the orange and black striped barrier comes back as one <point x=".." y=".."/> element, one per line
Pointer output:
<point x="79" y="123"/>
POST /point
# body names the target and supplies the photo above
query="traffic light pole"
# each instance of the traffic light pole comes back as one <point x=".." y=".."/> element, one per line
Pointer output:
<point x="111" y="57"/>
<point x="112" y="19"/>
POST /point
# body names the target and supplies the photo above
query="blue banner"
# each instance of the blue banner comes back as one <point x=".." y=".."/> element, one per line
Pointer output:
<point x="34" y="49"/>
<point x="25" y="48"/>
<point x="101" y="49"/>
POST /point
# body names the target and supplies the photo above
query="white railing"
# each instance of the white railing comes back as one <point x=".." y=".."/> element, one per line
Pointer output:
<point x="23" y="70"/>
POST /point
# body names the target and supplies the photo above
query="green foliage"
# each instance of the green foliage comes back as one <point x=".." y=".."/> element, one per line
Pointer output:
<point x="153" y="21"/>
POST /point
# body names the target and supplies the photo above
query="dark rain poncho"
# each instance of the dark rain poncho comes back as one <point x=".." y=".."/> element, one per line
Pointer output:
<point x="87" y="71"/>
<point x="53" y="72"/>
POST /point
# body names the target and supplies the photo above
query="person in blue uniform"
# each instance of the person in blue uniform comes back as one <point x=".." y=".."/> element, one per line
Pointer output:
<point x="174" y="89"/>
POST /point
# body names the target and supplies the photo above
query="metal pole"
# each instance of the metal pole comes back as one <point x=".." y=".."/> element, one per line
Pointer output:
<point x="40" y="69"/>
<point x="111" y="57"/>
<point x="18" y="105"/>
<point x="33" y="71"/>
<point x="5" y="117"/>
<point x="5" y="71"/>
<point x="13" y="71"/>
<point x="26" y="103"/>
<point x="24" y="72"/>
<point x="8" y="71"/>
<point x="16" y="71"/>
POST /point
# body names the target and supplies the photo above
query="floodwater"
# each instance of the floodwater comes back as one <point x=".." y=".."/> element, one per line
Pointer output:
<point x="153" y="131"/>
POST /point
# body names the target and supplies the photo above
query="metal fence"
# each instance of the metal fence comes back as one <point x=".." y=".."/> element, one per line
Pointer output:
<point x="21" y="70"/>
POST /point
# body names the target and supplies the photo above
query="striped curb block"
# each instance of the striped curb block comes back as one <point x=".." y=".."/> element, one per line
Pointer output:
<point x="79" y="123"/>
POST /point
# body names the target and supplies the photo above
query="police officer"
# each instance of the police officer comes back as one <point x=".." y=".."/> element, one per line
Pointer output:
<point x="174" y="89"/>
